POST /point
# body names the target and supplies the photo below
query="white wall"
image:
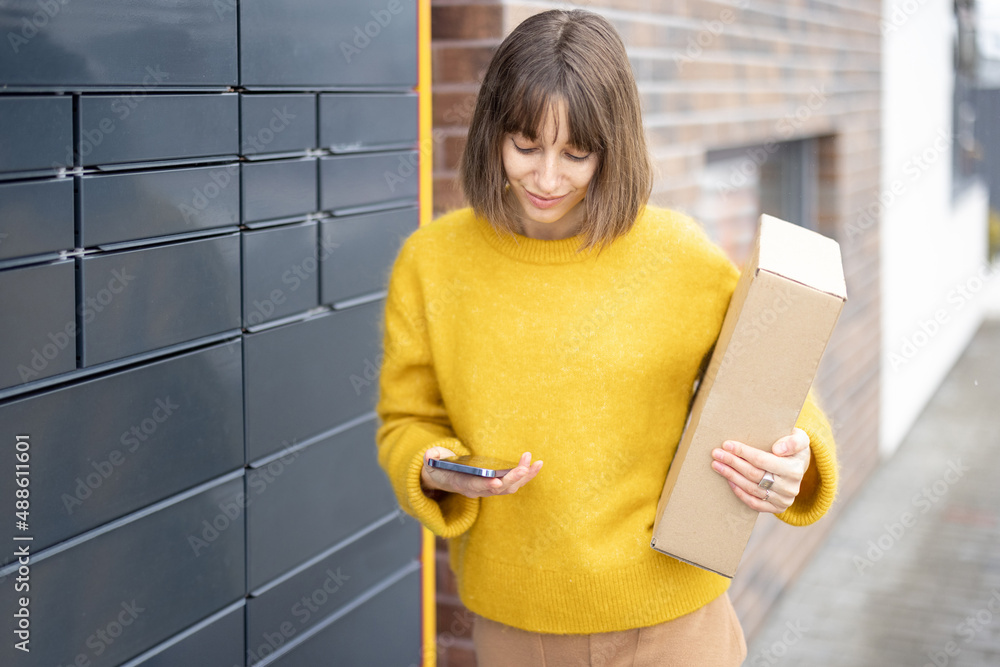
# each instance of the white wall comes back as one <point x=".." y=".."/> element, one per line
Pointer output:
<point x="933" y="249"/>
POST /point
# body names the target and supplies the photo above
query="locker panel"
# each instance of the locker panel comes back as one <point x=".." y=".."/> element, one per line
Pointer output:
<point x="38" y="338"/>
<point x="328" y="43"/>
<point x="350" y="181"/>
<point x="359" y="638"/>
<point x="140" y="300"/>
<point x="218" y="644"/>
<point x="36" y="217"/>
<point x="353" y="122"/>
<point x="36" y="132"/>
<point x="162" y="127"/>
<point x="119" y="593"/>
<point x="305" y="599"/>
<point x="310" y="499"/>
<point x="277" y="123"/>
<point x="307" y="377"/>
<point x="280" y="272"/>
<point x="280" y="189"/>
<point x="358" y="251"/>
<point x="118" y="42"/>
<point x="123" y="441"/>
<point x="124" y="207"/>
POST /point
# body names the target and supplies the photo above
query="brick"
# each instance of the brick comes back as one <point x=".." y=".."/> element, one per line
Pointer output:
<point x="472" y="21"/>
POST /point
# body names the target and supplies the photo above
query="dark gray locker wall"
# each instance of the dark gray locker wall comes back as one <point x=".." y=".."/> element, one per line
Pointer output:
<point x="200" y="202"/>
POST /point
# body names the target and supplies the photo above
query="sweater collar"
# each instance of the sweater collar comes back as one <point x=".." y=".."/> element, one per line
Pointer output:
<point x="535" y="251"/>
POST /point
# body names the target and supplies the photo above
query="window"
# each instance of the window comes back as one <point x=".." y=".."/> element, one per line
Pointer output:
<point x="738" y="184"/>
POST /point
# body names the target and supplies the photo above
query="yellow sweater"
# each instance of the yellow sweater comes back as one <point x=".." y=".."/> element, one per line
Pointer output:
<point x="496" y="345"/>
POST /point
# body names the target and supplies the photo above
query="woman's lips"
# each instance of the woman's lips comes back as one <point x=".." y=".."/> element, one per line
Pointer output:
<point x="541" y="202"/>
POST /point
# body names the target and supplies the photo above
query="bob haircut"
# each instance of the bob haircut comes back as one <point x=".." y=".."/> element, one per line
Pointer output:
<point x="573" y="56"/>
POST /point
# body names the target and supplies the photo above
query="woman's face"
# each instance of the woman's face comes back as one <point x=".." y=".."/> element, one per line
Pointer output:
<point x="549" y="177"/>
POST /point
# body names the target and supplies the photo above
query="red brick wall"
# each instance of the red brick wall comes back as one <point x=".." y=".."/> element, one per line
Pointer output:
<point x="718" y="75"/>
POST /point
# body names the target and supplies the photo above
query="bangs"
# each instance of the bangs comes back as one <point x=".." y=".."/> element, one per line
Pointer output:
<point x="537" y="94"/>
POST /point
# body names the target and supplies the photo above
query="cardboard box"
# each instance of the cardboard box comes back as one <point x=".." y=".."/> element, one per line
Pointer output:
<point x="782" y="313"/>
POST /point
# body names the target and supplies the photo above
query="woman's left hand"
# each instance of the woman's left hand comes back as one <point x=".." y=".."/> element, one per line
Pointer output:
<point x="744" y="467"/>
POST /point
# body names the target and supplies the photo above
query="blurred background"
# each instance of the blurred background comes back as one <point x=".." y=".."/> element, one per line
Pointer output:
<point x="200" y="202"/>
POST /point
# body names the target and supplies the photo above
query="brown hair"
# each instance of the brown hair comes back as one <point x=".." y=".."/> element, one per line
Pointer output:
<point x="576" y="56"/>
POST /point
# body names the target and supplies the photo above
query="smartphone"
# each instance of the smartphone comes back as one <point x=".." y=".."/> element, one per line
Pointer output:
<point x="482" y="466"/>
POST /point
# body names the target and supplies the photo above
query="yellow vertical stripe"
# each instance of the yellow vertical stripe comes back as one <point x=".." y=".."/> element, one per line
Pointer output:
<point x="426" y="119"/>
<point x="429" y="594"/>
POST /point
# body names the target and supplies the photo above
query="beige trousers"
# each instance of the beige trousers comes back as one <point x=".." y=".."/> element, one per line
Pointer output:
<point x="708" y="637"/>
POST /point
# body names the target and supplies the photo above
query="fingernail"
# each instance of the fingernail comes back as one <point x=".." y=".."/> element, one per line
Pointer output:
<point x="728" y="445"/>
<point x="718" y="454"/>
<point x="717" y="467"/>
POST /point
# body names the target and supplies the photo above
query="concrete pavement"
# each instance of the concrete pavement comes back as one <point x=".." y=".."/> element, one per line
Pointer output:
<point x="910" y="575"/>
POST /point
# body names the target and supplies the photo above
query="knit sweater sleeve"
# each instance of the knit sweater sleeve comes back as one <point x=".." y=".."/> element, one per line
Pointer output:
<point x="819" y="485"/>
<point x="412" y="417"/>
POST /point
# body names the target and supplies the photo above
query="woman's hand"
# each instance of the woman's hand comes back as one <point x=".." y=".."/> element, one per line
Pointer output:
<point x="744" y="467"/>
<point x="471" y="485"/>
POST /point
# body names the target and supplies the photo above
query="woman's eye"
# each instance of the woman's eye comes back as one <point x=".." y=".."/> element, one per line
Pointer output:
<point x="578" y="158"/>
<point x="521" y="150"/>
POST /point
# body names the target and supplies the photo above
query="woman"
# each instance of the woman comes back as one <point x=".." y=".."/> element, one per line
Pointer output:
<point x="561" y="317"/>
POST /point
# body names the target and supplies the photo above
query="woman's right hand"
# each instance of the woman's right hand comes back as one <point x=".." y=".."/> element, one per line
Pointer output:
<point x="473" y="486"/>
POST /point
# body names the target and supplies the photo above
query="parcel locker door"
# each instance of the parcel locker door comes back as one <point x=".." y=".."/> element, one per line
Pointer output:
<point x="162" y="127"/>
<point x="36" y="217"/>
<point x="304" y="378"/>
<point x="216" y="642"/>
<point x="279" y="189"/>
<point x="349" y="182"/>
<point x="111" y="596"/>
<point x="38" y="338"/>
<point x="352" y="122"/>
<point x="36" y="132"/>
<point x="138" y="43"/>
<point x="276" y="123"/>
<point x="117" y="443"/>
<point x="308" y="597"/>
<point x="125" y="207"/>
<point x="280" y="272"/>
<point x="357" y="251"/>
<point x="141" y="300"/>
<point x="310" y="499"/>
<point x="328" y="43"/>
<point x="359" y="636"/>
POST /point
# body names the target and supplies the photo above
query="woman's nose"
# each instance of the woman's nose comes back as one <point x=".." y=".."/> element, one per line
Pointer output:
<point x="548" y="176"/>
